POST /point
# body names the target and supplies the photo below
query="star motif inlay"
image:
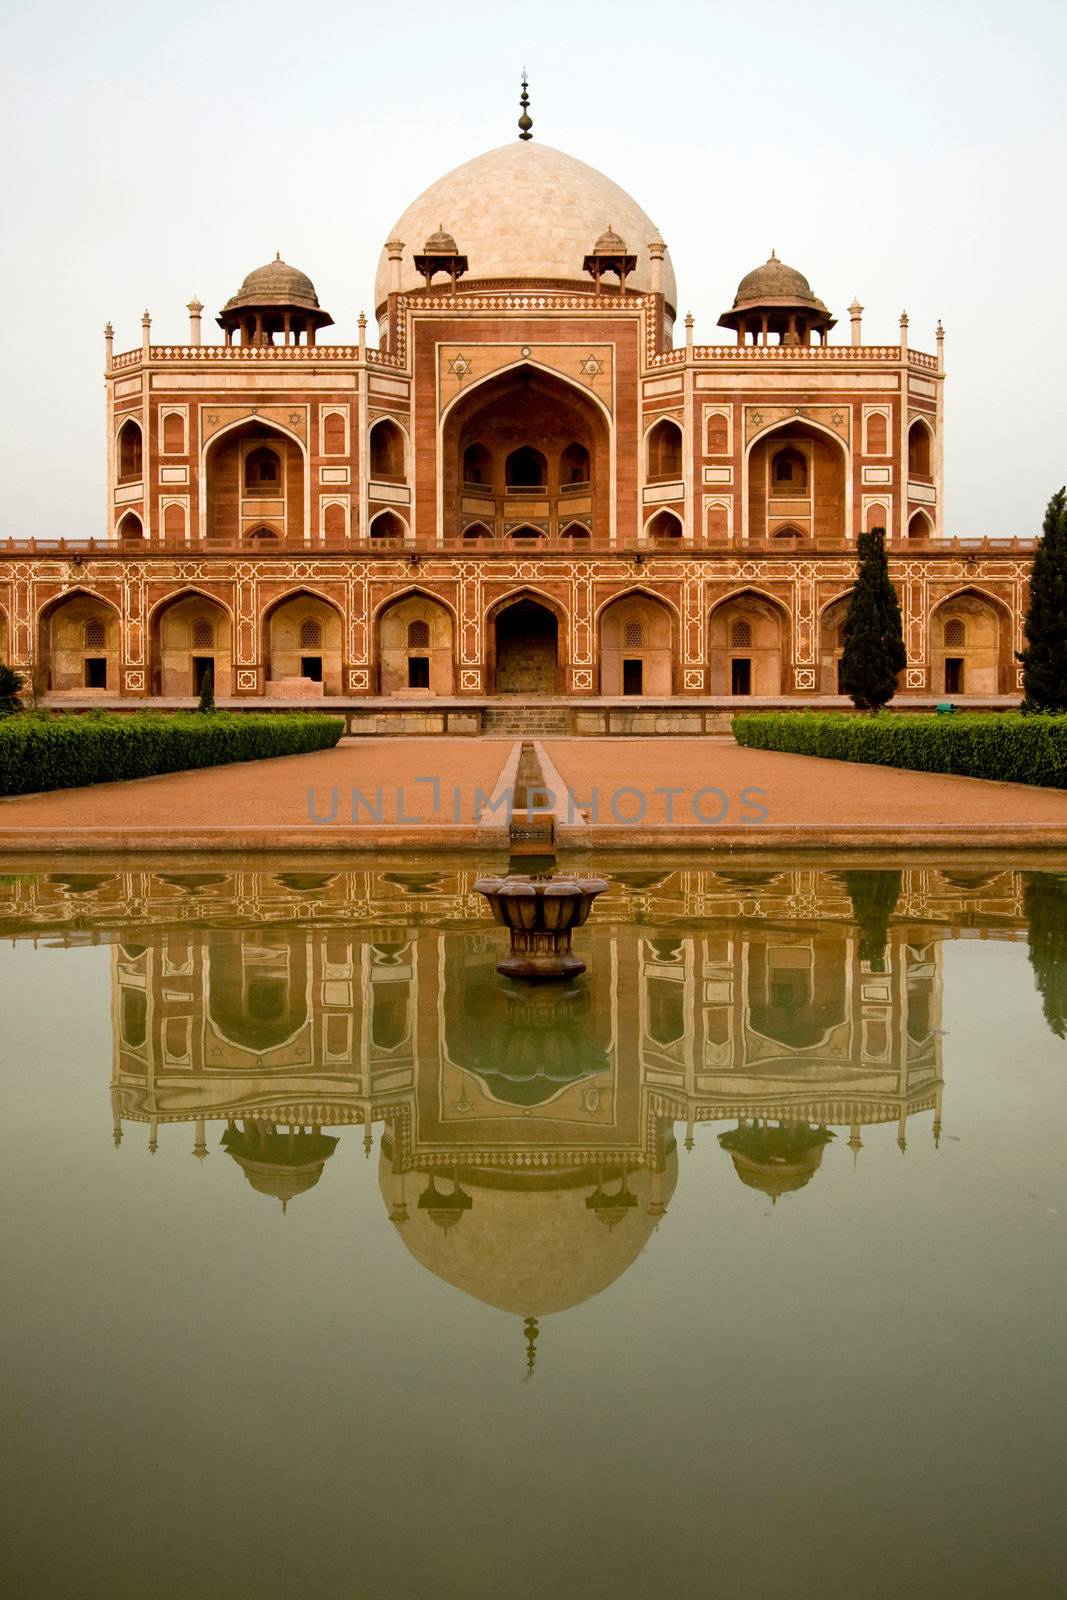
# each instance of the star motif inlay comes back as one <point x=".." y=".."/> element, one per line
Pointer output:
<point x="459" y="366"/>
<point x="295" y="418"/>
<point x="462" y="1105"/>
<point x="757" y="417"/>
<point x="212" y="417"/>
<point x="837" y="418"/>
<point x="592" y="366"/>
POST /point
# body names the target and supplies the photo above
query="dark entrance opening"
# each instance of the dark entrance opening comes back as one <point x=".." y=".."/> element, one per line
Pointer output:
<point x="311" y="667"/>
<point x="418" y="672"/>
<point x="203" y="666"/>
<point x="953" y="674"/>
<point x="741" y="675"/>
<point x="526" y="645"/>
<point x="840" y="669"/>
<point x="96" y="672"/>
<point x="632" y="676"/>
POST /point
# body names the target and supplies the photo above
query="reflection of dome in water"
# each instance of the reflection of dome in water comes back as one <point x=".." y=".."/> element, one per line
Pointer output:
<point x="275" y="1163"/>
<point x="776" y="1160"/>
<point x="526" y="1048"/>
<point x="535" y="1250"/>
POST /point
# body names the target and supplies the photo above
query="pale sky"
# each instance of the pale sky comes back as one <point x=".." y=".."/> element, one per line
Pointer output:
<point x="910" y="154"/>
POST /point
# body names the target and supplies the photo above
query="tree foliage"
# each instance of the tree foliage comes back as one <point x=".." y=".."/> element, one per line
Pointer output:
<point x="874" y="650"/>
<point x="1045" y="904"/>
<point x="10" y="684"/>
<point x="1045" y="657"/>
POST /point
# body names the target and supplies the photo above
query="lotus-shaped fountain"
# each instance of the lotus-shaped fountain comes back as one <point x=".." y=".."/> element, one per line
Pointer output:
<point x="541" y="914"/>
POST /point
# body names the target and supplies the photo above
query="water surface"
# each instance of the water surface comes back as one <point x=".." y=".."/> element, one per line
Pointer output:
<point x="336" y="1265"/>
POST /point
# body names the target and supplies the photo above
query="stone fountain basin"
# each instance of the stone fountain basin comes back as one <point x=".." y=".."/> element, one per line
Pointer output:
<point x="553" y="906"/>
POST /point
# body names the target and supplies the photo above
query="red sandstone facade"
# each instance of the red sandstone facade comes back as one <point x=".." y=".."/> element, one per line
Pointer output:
<point x="526" y="490"/>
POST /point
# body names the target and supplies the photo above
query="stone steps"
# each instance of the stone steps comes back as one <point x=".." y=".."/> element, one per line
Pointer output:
<point x="526" y="719"/>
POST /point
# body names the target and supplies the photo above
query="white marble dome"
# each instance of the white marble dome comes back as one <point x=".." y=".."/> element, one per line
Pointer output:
<point x="524" y="211"/>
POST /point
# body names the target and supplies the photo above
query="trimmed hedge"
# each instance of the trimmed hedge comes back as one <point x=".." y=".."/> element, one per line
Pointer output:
<point x="1000" y="745"/>
<point x="65" y="751"/>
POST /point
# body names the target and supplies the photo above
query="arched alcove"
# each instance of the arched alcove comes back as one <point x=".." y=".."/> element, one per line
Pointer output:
<point x="415" y="646"/>
<point x="970" y="645"/>
<point x="798" y="480"/>
<point x="747" y="648"/>
<point x="636" y="647"/>
<point x="79" y="645"/>
<point x="190" y="635"/>
<point x="525" y="647"/>
<point x="526" y="445"/>
<point x="303" y="638"/>
<point x="255" y="477"/>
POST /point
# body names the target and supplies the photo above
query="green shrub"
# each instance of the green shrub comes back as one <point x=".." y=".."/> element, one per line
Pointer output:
<point x="1004" y="746"/>
<point x="66" y="751"/>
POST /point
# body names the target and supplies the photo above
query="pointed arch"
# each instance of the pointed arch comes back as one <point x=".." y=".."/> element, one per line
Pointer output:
<point x="637" y="633"/>
<point x="920" y="525"/>
<point x="824" y="503"/>
<point x="288" y="650"/>
<point x="177" y="661"/>
<point x="228" y="504"/>
<point x="527" y="654"/>
<point x="387" y="451"/>
<point x="71" y="656"/>
<point x="982" y="663"/>
<point x="387" y="524"/>
<point x="130" y="528"/>
<point x="414" y="632"/>
<point x="664" y="527"/>
<point x="129" y="450"/>
<point x="758" y="667"/>
<point x="920" y="449"/>
<point x="526" y="403"/>
<point x="663" y="451"/>
<point x="831" y="619"/>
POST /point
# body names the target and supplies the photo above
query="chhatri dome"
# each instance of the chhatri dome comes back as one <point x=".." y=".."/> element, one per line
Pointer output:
<point x="525" y="211"/>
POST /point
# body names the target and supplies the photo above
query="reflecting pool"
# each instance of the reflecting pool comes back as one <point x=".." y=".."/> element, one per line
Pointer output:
<point x="336" y="1264"/>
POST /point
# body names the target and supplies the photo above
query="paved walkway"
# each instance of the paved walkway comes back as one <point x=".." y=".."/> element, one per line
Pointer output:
<point x="363" y="792"/>
<point x="424" y="793"/>
<point x="667" y="790"/>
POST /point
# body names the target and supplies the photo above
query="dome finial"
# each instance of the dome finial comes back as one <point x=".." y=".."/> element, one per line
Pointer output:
<point x="531" y="1330"/>
<point x="525" y="120"/>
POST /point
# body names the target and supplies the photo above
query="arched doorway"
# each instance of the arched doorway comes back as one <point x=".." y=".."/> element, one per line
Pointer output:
<point x="970" y="641"/>
<point x="526" y="447"/>
<point x="746" y="646"/>
<point x="303" y="641"/>
<point x="798" y="481"/>
<point x="79" y="645"/>
<point x="526" y="648"/>
<point x="190" y="635"/>
<point x="636" y="653"/>
<point x="415" y="647"/>
<point x="255" y="478"/>
<point x="832" y="645"/>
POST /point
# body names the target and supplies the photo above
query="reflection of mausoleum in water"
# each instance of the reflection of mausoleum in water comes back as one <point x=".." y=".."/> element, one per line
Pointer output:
<point x="528" y="1144"/>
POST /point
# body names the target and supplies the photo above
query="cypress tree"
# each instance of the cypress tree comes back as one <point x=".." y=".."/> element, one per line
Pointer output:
<point x="10" y="684"/>
<point x="1045" y="658"/>
<point x="1045" y="904"/>
<point x="874" y="638"/>
<point x="874" y="897"/>
<point x="207" y="691"/>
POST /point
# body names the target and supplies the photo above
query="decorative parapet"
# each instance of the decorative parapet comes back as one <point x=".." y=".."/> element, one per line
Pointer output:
<point x="212" y="354"/>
